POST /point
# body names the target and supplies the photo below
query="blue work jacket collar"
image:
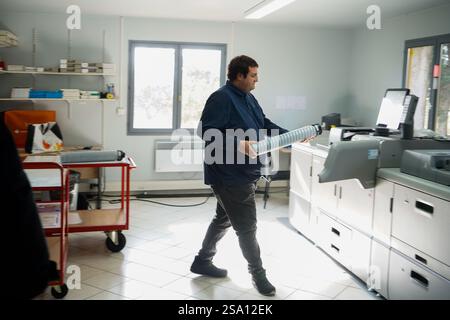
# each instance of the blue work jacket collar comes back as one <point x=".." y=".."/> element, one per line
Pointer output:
<point x="235" y="89"/>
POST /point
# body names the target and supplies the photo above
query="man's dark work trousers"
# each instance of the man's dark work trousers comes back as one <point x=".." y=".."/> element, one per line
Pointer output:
<point x="235" y="207"/>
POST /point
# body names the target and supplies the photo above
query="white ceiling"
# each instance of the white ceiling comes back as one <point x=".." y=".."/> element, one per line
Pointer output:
<point x="335" y="13"/>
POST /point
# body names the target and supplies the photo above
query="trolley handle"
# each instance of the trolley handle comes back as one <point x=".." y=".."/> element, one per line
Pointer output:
<point x="132" y="163"/>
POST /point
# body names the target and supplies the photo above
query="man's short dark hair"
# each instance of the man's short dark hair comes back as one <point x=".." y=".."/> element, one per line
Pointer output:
<point x="240" y="64"/>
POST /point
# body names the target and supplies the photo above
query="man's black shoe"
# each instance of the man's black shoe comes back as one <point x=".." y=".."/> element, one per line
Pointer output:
<point x="207" y="269"/>
<point x="263" y="285"/>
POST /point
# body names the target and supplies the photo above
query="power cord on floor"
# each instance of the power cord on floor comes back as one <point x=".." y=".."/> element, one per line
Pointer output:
<point x="118" y="200"/>
<point x="176" y="205"/>
<point x="270" y="192"/>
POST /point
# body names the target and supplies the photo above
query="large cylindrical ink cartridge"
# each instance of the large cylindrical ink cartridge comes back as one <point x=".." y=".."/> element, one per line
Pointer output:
<point x="92" y="156"/>
<point x="285" y="139"/>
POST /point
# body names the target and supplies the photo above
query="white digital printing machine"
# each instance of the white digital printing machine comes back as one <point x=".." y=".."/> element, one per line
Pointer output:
<point x="377" y="200"/>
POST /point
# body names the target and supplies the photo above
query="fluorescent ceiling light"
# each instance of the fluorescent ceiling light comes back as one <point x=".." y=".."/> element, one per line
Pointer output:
<point x="265" y="7"/>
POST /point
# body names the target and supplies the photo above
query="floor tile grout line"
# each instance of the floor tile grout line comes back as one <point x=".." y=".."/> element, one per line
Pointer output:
<point x="103" y="289"/>
<point x="334" y="298"/>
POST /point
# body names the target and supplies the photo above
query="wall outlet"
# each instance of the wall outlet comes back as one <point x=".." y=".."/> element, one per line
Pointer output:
<point x="120" y="111"/>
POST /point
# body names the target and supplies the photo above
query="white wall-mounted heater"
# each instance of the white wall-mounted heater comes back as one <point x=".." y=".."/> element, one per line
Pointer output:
<point x="179" y="156"/>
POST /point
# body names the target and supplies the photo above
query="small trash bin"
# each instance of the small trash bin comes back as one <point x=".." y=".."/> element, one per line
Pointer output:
<point x="74" y="180"/>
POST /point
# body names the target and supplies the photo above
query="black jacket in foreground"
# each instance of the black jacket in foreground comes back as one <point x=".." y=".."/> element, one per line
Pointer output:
<point x="25" y="266"/>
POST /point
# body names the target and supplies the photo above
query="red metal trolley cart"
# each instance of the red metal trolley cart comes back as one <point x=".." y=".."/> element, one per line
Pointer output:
<point x="111" y="221"/>
<point x="47" y="174"/>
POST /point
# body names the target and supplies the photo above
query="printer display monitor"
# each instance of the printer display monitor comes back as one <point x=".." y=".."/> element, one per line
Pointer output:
<point x="392" y="108"/>
<point x="396" y="116"/>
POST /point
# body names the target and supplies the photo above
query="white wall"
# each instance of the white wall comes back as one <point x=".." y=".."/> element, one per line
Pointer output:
<point x="305" y="62"/>
<point x="377" y="57"/>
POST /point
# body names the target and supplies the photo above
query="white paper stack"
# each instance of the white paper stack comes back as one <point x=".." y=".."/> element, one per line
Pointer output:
<point x="78" y="66"/>
<point x="73" y="65"/>
<point x="20" y="92"/>
<point x="15" y="67"/>
<point x="100" y="67"/>
<point x="8" y="39"/>
<point x="74" y="218"/>
<point x="51" y="69"/>
<point x="71" y="93"/>
<point x="107" y="68"/>
<point x="34" y="69"/>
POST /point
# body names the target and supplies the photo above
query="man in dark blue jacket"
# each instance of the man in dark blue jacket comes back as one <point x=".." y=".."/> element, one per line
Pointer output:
<point x="228" y="111"/>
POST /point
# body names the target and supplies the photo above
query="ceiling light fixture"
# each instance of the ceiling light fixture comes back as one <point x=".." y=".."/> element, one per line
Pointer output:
<point x="265" y="7"/>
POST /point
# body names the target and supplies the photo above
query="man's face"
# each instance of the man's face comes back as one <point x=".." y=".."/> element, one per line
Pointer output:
<point x="248" y="83"/>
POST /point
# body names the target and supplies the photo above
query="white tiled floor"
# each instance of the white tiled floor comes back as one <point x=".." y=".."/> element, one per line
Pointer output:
<point x="162" y="242"/>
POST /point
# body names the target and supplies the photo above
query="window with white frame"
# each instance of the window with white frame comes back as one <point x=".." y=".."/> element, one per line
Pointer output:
<point x="169" y="84"/>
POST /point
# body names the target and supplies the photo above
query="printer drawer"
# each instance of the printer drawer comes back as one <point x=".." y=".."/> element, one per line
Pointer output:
<point x="409" y="281"/>
<point x="334" y="239"/>
<point x="423" y="222"/>
<point x="421" y="258"/>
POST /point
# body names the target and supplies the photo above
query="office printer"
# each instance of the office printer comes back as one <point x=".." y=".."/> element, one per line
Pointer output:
<point x="361" y="158"/>
<point x="395" y="117"/>
<point x="433" y="165"/>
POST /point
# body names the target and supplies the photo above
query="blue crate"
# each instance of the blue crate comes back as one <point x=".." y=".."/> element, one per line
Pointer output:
<point x="45" y="94"/>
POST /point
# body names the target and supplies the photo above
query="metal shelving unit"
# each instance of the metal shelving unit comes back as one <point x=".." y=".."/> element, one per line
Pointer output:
<point x="57" y="73"/>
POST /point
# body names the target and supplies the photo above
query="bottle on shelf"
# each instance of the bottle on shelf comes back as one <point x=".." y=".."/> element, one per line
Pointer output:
<point x="110" y="91"/>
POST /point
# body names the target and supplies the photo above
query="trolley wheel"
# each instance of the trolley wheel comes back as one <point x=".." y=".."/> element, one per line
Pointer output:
<point x="116" y="247"/>
<point x="59" y="292"/>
